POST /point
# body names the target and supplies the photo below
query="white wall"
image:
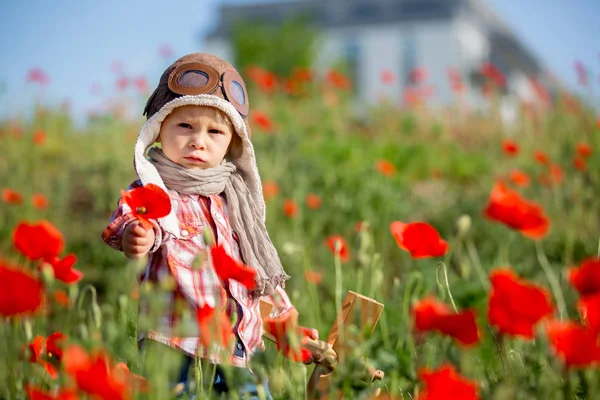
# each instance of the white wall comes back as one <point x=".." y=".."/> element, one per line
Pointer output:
<point x="382" y="49"/>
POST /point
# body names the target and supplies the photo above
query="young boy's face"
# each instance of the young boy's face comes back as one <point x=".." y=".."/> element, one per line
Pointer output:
<point x="195" y="137"/>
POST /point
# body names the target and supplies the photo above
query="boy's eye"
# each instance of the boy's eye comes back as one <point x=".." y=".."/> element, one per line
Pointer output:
<point x="218" y="132"/>
<point x="184" y="125"/>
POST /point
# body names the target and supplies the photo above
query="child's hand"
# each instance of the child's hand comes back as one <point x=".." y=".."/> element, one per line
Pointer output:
<point x="137" y="241"/>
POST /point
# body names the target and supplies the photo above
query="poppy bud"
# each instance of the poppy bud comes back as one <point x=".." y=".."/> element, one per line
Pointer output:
<point x="463" y="224"/>
<point x="28" y="330"/>
<point x="208" y="236"/>
<point x="199" y="261"/>
<point x="123" y="300"/>
<point x="96" y="315"/>
<point x="168" y="283"/>
<point x="47" y="274"/>
<point x="83" y="331"/>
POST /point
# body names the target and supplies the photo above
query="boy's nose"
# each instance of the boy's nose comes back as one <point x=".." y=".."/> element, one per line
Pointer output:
<point x="198" y="141"/>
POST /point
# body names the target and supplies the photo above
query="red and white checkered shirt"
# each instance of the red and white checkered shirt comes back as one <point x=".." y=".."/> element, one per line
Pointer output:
<point x="171" y="258"/>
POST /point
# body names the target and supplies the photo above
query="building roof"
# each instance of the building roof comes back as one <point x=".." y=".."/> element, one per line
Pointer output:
<point x="335" y="13"/>
<point x="506" y="48"/>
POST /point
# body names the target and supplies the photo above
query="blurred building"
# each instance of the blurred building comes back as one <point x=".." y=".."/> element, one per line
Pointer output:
<point x="394" y="46"/>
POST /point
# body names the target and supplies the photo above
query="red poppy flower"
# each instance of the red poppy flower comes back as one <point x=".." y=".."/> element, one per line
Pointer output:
<point x="446" y="384"/>
<point x="430" y="314"/>
<point x="556" y="174"/>
<point x="63" y="269"/>
<point x="420" y="239"/>
<point x="141" y="84"/>
<point x="40" y="240"/>
<point x="38" y="75"/>
<point x="515" y="306"/>
<point x="133" y="381"/>
<point x="508" y="207"/>
<point x="122" y="83"/>
<point x="10" y="196"/>
<point x="586" y="277"/>
<point x="519" y="178"/>
<point x="337" y="240"/>
<point x="53" y="349"/>
<point x="282" y="328"/>
<point x="263" y="121"/>
<point x="228" y="268"/>
<point x="589" y="308"/>
<point x="510" y="147"/>
<point x="147" y="202"/>
<point x="39" y="137"/>
<point x="492" y="72"/>
<point x="313" y="277"/>
<point x="39" y="201"/>
<point x="302" y="74"/>
<point x="313" y="201"/>
<point x="290" y="208"/>
<point x="387" y="77"/>
<point x="20" y="293"/>
<point x="337" y="80"/>
<point x="209" y="323"/>
<point x="266" y="81"/>
<point x="584" y="150"/>
<point x="270" y="190"/>
<point x="385" y="167"/>
<point x="47" y="352"/>
<point x="579" y="163"/>
<point x="36" y="348"/>
<point x="165" y="51"/>
<point x="540" y="157"/>
<point x="94" y="374"/>
<point x="418" y="75"/>
<point x="61" y="297"/>
<point x="455" y="79"/>
<point x="34" y="393"/>
<point x="576" y="345"/>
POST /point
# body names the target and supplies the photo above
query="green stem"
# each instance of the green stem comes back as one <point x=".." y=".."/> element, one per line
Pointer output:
<point x="567" y="388"/>
<point x="338" y="285"/>
<point x="446" y="283"/>
<point x="499" y="339"/>
<point x="553" y="279"/>
<point x="415" y="279"/>
<point x="474" y="256"/>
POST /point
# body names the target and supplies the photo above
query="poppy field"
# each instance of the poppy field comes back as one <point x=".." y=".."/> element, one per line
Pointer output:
<point x="480" y="237"/>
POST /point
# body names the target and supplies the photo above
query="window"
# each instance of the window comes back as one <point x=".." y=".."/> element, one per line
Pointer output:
<point x="409" y="57"/>
<point x="352" y="60"/>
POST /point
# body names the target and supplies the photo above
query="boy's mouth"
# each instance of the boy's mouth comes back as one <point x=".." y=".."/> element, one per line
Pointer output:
<point x="194" y="159"/>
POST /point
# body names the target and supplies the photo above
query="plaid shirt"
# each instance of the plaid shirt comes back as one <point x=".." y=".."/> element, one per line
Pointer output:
<point x="196" y="285"/>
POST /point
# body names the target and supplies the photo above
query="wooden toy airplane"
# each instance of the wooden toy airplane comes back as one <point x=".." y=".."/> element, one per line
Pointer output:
<point x="356" y="309"/>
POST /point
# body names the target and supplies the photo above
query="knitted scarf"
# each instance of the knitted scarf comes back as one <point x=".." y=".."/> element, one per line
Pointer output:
<point x="256" y="247"/>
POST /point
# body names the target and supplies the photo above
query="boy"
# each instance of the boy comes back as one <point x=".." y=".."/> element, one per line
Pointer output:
<point x="207" y="165"/>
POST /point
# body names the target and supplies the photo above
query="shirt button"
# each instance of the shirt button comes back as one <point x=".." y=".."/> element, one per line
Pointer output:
<point x="184" y="233"/>
<point x="239" y="346"/>
<point x="217" y="215"/>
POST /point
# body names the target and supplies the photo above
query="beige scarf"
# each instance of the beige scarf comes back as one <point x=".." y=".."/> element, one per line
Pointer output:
<point x="256" y="247"/>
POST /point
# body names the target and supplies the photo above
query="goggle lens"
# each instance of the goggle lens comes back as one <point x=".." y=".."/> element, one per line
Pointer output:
<point x="237" y="92"/>
<point x="193" y="79"/>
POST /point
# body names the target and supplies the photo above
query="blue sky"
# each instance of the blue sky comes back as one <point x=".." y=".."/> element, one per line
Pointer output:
<point x="76" y="42"/>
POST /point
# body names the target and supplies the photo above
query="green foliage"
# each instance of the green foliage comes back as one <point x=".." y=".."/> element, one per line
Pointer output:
<point x="445" y="168"/>
<point x="278" y="48"/>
